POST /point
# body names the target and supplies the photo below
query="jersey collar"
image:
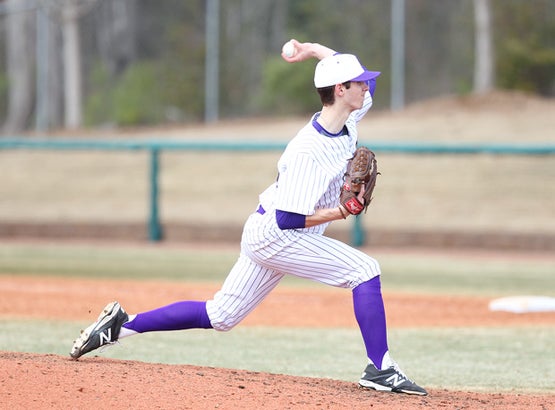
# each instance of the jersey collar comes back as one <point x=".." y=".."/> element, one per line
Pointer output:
<point x="324" y="132"/>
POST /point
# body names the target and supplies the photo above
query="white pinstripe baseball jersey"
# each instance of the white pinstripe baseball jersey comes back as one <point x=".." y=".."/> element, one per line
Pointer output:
<point x="311" y="173"/>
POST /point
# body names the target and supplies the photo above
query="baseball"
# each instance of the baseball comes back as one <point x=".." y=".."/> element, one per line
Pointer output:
<point x="288" y="49"/>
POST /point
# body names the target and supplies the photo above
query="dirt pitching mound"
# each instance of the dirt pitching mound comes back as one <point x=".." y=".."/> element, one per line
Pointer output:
<point x="32" y="381"/>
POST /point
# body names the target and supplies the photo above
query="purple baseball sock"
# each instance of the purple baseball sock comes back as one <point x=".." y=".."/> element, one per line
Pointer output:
<point x="370" y="315"/>
<point x="177" y="316"/>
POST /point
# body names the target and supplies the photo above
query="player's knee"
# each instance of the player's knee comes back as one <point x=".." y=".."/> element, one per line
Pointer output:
<point x="222" y="326"/>
<point x="367" y="272"/>
<point x="372" y="268"/>
<point x="221" y="319"/>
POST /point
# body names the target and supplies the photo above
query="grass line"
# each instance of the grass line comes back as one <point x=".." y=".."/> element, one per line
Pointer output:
<point x="453" y="274"/>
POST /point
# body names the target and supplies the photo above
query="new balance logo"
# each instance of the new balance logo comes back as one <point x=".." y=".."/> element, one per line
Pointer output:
<point x="105" y="337"/>
<point x="396" y="379"/>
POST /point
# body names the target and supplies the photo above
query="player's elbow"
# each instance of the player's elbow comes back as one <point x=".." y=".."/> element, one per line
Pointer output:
<point x="289" y="220"/>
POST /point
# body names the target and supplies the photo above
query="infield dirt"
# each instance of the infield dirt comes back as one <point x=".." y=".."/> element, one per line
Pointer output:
<point x="38" y="381"/>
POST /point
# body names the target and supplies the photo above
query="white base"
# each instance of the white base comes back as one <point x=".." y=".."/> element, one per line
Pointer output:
<point x="523" y="304"/>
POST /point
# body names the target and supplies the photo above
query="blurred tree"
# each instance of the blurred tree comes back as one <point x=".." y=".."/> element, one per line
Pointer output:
<point x="287" y="88"/>
<point x="137" y="97"/>
<point x="73" y="92"/>
<point x="114" y="30"/>
<point x="182" y="65"/>
<point x="525" y="52"/>
<point x="142" y="48"/>
<point x="20" y="59"/>
<point x="483" y="47"/>
<point x="54" y="66"/>
<point x="252" y="30"/>
<point x="439" y="48"/>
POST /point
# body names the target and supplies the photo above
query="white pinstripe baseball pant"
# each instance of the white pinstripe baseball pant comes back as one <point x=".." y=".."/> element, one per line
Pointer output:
<point x="268" y="254"/>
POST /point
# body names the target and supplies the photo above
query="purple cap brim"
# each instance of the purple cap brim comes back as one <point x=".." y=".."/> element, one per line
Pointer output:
<point x="367" y="75"/>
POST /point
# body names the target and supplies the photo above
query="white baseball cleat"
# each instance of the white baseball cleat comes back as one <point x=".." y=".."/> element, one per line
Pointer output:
<point x="391" y="379"/>
<point x="103" y="332"/>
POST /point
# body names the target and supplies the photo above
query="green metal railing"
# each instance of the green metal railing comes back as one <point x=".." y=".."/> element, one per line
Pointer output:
<point x="155" y="147"/>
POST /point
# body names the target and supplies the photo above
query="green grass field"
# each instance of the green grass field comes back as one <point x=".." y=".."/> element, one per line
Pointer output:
<point x="500" y="358"/>
<point x="447" y="272"/>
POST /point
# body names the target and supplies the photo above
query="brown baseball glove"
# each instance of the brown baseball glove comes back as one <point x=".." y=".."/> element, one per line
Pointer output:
<point x="362" y="172"/>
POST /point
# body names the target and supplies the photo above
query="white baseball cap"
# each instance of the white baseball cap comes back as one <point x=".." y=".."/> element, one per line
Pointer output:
<point x="340" y="68"/>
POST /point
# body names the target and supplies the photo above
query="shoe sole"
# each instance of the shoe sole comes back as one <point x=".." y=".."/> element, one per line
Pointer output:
<point x="370" y="385"/>
<point x="378" y="387"/>
<point x="106" y="315"/>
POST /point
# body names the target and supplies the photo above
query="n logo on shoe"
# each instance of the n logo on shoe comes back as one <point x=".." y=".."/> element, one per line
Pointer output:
<point x="396" y="379"/>
<point x="105" y="337"/>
